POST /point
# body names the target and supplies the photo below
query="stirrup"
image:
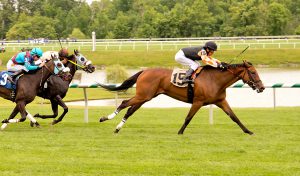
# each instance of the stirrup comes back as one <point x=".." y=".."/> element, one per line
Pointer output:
<point x="187" y="80"/>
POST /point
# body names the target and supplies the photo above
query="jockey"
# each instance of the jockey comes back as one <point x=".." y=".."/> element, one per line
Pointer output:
<point x="190" y="56"/>
<point x="25" y="61"/>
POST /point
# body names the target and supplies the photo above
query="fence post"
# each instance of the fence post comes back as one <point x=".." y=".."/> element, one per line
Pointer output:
<point x="86" y="112"/>
<point x="274" y="97"/>
<point x="211" y="115"/>
<point x="94" y="40"/>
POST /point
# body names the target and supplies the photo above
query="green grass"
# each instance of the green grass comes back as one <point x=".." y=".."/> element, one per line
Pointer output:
<point x="148" y="144"/>
<point x="165" y="58"/>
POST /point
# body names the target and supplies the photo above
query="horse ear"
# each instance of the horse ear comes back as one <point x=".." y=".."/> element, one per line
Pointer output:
<point x="76" y="52"/>
<point x="246" y="63"/>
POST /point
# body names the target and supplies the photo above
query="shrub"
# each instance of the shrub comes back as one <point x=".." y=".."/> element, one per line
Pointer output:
<point x="116" y="74"/>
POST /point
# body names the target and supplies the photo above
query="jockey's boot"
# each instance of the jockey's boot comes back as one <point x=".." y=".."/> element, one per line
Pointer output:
<point x="17" y="73"/>
<point x="11" y="80"/>
<point x="188" y="76"/>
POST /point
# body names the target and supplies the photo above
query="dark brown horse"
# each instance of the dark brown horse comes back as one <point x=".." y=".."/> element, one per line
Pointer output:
<point x="209" y="88"/>
<point x="57" y="88"/>
<point x="28" y="86"/>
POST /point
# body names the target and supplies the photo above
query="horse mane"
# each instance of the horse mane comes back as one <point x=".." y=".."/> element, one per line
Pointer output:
<point x="208" y="67"/>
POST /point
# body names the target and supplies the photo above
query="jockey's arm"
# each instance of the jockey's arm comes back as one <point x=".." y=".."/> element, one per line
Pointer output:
<point x="29" y="66"/>
<point x="208" y="60"/>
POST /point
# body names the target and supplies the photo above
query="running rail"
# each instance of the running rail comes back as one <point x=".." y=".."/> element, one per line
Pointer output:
<point x="236" y="85"/>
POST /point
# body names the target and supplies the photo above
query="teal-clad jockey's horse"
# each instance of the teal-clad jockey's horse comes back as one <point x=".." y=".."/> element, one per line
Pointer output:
<point x="28" y="86"/>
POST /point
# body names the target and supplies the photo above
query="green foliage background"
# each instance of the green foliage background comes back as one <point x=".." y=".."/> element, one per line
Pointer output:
<point x="23" y="19"/>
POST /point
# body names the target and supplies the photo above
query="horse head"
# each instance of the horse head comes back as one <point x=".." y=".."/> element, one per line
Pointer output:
<point x="250" y="76"/>
<point x="83" y="63"/>
<point x="56" y="67"/>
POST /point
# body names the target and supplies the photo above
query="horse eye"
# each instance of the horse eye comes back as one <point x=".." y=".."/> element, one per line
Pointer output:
<point x="82" y="59"/>
<point x="59" y="65"/>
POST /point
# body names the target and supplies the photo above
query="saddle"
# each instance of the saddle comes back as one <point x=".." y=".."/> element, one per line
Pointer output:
<point x="179" y="74"/>
<point x="6" y="83"/>
<point x="177" y="77"/>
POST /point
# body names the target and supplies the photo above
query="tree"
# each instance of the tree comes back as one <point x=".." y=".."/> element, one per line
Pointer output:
<point x="277" y="18"/>
<point x="32" y="27"/>
<point x="76" y="33"/>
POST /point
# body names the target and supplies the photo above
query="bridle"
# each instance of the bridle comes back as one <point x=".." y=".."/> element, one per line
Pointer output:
<point x="251" y="82"/>
<point x="75" y="63"/>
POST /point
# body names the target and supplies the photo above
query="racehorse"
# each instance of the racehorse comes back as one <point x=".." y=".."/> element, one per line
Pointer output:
<point x="209" y="88"/>
<point x="57" y="88"/>
<point x="28" y="86"/>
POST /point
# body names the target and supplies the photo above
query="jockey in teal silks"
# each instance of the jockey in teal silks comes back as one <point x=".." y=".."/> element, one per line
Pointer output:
<point x="25" y="61"/>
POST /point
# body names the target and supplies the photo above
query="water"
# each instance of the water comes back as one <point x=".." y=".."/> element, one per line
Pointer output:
<point x="237" y="97"/>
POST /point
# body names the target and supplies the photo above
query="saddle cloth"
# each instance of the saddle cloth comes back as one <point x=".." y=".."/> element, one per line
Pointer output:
<point x="4" y="82"/>
<point x="178" y="75"/>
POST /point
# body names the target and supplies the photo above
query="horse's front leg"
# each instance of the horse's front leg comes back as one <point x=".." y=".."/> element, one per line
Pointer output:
<point x="226" y="108"/>
<point x="195" y="107"/>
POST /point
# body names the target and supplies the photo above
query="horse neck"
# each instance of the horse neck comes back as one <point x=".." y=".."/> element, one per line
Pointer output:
<point x="42" y="75"/>
<point x="72" y="70"/>
<point x="228" y="77"/>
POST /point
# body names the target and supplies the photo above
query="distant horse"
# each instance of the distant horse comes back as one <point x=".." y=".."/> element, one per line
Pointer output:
<point x="209" y="88"/>
<point x="28" y="86"/>
<point x="57" y="89"/>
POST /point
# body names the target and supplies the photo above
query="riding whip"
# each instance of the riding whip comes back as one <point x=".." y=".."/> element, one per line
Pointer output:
<point x="239" y="54"/>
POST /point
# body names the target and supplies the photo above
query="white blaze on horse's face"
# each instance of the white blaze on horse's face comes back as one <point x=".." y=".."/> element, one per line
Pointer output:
<point x="59" y="67"/>
<point x="85" y="64"/>
<point x="81" y="60"/>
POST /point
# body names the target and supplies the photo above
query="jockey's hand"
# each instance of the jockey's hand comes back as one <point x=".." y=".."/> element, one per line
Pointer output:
<point x="202" y="53"/>
<point x="222" y="65"/>
<point x="42" y="64"/>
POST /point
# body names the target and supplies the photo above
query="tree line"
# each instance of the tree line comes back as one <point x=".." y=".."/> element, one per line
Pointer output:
<point x="23" y="19"/>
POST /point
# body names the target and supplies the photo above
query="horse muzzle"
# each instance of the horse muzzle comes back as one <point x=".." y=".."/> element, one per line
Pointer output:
<point x="89" y="68"/>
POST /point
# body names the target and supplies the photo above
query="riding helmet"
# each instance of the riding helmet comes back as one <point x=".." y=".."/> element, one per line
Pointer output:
<point x="211" y="45"/>
<point x="36" y="51"/>
<point x="63" y="52"/>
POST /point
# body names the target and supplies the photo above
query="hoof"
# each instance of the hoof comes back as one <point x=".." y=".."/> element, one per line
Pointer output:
<point x="54" y="122"/>
<point x="37" y="125"/>
<point x="250" y="133"/>
<point x="102" y="119"/>
<point x="116" y="131"/>
<point x="31" y="124"/>
<point x="5" y="121"/>
<point x="37" y="115"/>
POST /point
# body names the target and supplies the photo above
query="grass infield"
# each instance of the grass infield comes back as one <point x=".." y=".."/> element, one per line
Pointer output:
<point x="148" y="144"/>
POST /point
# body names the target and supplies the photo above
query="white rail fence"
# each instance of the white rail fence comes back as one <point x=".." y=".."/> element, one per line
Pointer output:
<point x="271" y="42"/>
<point x="237" y="85"/>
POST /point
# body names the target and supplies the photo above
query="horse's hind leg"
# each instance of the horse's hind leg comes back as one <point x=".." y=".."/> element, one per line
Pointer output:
<point x="54" y="106"/>
<point x="10" y="118"/>
<point x="64" y="106"/>
<point x="123" y="105"/>
<point x="129" y="112"/>
<point x="195" y="107"/>
<point x="20" y="107"/>
<point x="226" y="108"/>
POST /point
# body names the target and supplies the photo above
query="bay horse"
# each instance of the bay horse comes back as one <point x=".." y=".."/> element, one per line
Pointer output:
<point x="57" y="88"/>
<point x="209" y="88"/>
<point x="28" y="86"/>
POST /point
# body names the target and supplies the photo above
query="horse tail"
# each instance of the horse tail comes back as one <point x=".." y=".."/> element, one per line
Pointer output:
<point x="125" y="85"/>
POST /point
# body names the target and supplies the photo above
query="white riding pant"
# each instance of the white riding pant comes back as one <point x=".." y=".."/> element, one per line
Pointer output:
<point x="14" y="67"/>
<point x="182" y="59"/>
